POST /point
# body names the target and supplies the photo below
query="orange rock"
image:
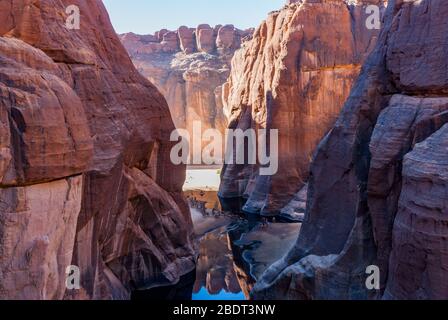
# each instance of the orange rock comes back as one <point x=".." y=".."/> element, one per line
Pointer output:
<point x="379" y="178"/>
<point x="84" y="132"/>
<point x="189" y="79"/>
<point x="187" y="39"/>
<point x="293" y="76"/>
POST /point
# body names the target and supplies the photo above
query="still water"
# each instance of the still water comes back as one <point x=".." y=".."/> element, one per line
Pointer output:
<point x="234" y="256"/>
<point x="234" y="250"/>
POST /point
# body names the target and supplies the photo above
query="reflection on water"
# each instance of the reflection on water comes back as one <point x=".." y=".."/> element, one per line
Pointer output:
<point x="182" y="291"/>
<point x="215" y="264"/>
<point x="215" y="275"/>
<point x="259" y="244"/>
<point x="233" y="251"/>
<point x="203" y="294"/>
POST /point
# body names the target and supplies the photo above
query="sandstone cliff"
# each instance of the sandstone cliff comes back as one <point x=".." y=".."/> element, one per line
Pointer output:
<point x="293" y="76"/>
<point x="379" y="180"/>
<point x="189" y="67"/>
<point x="85" y="175"/>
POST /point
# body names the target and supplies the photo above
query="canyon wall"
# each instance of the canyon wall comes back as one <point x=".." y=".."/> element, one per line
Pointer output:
<point x="85" y="174"/>
<point x="215" y="270"/>
<point x="293" y="76"/>
<point x="189" y="67"/>
<point x="379" y="180"/>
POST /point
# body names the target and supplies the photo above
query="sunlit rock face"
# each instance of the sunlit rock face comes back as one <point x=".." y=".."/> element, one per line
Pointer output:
<point x="293" y="76"/>
<point x="85" y="174"/>
<point x="189" y="70"/>
<point x="379" y="183"/>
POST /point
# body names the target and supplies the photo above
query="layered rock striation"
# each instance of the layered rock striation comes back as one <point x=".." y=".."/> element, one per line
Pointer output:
<point x="85" y="174"/>
<point x="293" y="76"/>
<point x="379" y="183"/>
<point x="189" y="66"/>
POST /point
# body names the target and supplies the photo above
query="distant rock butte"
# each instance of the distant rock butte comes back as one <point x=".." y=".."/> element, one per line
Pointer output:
<point x="379" y="180"/>
<point x="293" y="76"/>
<point x="85" y="174"/>
<point x="189" y="66"/>
<point x="203" y="38"/>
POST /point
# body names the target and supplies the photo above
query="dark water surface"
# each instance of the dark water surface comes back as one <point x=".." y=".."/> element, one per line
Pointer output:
<point x="233" y="252"/>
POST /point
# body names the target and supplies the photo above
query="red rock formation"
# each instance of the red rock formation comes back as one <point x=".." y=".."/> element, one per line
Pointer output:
<point x="85" y="175"/>
<point x="186" y="38"/>
<point x="378" y="190"/>
<point x="228" y="38"/>
<point x="170" y="42"/>
<point x="293" y="76"/>
<point x="205" y="38"/>
<point x="191" y="76"/>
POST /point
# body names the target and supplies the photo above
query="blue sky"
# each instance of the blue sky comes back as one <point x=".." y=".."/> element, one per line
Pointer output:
<point x="148" y="16"/>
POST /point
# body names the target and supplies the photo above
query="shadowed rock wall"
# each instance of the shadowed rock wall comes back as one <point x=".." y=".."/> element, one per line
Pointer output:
<point x="378" y="186"/>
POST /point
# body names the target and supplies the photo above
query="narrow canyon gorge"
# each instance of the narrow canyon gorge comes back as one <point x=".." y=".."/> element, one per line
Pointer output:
<point x="293" y="76"/>
<point x="87" y="178"/>
<point x="189" y="66"/>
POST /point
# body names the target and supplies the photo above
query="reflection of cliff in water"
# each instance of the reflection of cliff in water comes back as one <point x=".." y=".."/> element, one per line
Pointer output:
<point x="233" y="252"/>
<point x="256" y="245"/>
<point x="215" y="269"/>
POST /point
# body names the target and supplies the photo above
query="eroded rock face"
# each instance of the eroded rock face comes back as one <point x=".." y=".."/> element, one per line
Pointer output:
<point x="186" y="39"/>
<point x="378" y="187"/>
<point x="45" y="147"/>
<point x="293" y="76"/>
<point x="85" y="174"/>
<point x="190" y="77"/>
<point x="205" y="38"/>
<point x="38" y="229"/>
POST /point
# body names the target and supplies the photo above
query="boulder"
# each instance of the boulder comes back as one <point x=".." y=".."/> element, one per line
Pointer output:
<point x="187" y="40"/>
